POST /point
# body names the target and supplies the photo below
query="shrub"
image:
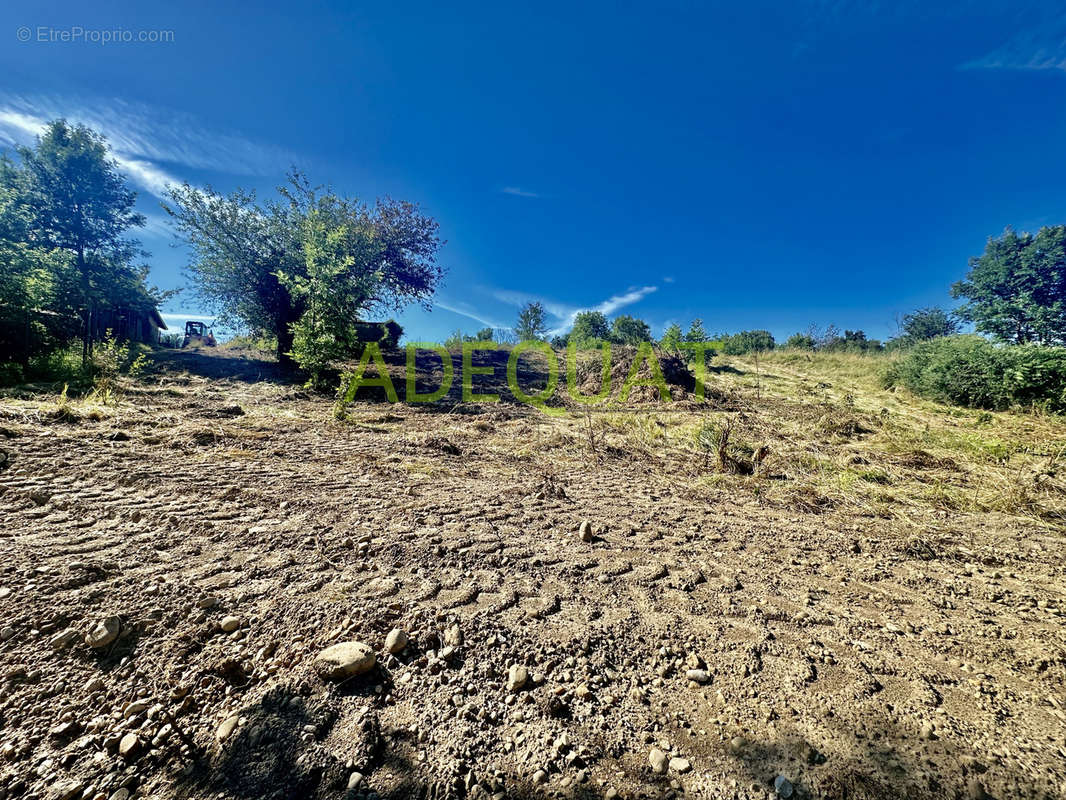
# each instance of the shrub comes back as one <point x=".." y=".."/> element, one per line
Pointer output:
<point x="971" y="371"/>
<point x="739" y="344"/>
<point x="800" y="341"/>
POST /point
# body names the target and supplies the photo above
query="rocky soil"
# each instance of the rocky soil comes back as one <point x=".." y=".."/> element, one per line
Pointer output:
<point x="215" y="589"/>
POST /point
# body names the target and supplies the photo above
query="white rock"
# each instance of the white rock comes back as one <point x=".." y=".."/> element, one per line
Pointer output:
<point x="657" y="760"/>
<point x="680" y="765"/>
<point x="230" y="624"/>
<point x="104" y="633"/>
<point x="226" y="728"/>
<point x="344" y="660"/>
<point x="517" y="675"/>
<point x="395" y="641"/>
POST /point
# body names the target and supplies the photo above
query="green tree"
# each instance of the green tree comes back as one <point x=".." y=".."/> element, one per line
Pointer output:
<point x="672" y="338"/>
<point x="926" y="323"/>
<point x="800" y="341"/>
<point x="328" y="291"/>
<point x="532" y="323"/>
<point x="1016" y="290"/>
<point x="590" y="329"/>
<point x="630" y="330"/>
<point x="747" y="342"/>
<point x="249" y="257"/>
<point x="77" y="203"/>
<point x="696" y="333"/>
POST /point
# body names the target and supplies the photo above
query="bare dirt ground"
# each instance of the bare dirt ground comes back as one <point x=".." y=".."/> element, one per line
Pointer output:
<point x="799" y="633"/>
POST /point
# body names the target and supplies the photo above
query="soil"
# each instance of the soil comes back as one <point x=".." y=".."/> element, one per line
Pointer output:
<point x="236" y="529"/>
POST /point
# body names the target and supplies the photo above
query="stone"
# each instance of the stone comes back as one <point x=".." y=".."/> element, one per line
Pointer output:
<point x="680" y="765"/>
<point x="206" y="602"/>
<point x="927" y="731"/>
<point x="783" y="786"/>
<point x="121" y="794"/>
<point x="64" y="640"/>
<point x="226" y="727"/>
<point x="585" y="531"/>
<point x="7" y="633"/>
<point x="104" y="633"/>
<point x="66" y="730"/>
<point x="68" y="790"/>
<point x="698" y="675"/>
<point x="517" y="676"/>
<point x="129" y="746"/>
<point x="657" y="760"/>
<point x="135" y="708"/>
<point x="344" y="660"/>
<point x="355" y="780"/>
<point x="453" y="637"/>
<point x="540" y="776"/>
<point x="395" y="641"/>
<point x="975" y="790"/>
<point x="230" y="624"/>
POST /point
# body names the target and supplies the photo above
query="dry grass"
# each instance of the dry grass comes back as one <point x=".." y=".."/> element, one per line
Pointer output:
<point x="822" y="436"/>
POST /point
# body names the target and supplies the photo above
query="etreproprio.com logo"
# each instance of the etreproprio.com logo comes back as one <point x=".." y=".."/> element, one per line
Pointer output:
<point x="77" y="34"/>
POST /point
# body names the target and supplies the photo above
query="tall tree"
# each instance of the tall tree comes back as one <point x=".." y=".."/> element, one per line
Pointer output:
<point x="1016" y="289"/>
<point x="250" y="259"/>
<point x="630" y="330"/>
<point x="532" y="323"/>
<point x="79" y="204"/>
<point x="672" y="338"/>
<point x="696" y="333"/>
<point x="590" y="328"/>
<point x="926" y="323"/>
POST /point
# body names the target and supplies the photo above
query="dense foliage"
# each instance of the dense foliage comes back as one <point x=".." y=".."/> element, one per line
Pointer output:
<point x="630" y="330"/>
<point x="305" y="268"/>
<point x="1016" y="290"/>
<point x="971" y="371"/>
<point x="925" y="324"/>
<point x="746" y="342"/>
<point x="65" y="212"/>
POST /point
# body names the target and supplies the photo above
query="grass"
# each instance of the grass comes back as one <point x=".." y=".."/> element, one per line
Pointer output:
<point x="837" y="441"/>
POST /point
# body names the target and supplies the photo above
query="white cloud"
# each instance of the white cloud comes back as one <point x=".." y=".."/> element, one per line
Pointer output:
<point x="144" y="140"/>
<point x="1039" y="46"/>
<point x="467" y="311"/>
<point x="618" y="301"/>
<point x="517" y="192"/>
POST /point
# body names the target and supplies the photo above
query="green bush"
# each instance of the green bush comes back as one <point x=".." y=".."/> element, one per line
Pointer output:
<point x="971" y="371"/>
<point x="739" y="344"/>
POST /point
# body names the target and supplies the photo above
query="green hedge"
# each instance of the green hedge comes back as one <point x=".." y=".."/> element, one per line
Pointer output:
<point x="972" y="371"/>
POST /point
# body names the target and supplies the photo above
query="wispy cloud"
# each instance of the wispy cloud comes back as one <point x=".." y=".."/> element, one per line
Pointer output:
<point x="1040" y="45"/>
<point x="565" y="313"/>
<point x="467" y="311"/>
<point x="148" y="143"/>
<point x="619" y="301"/>
<point x="517" y="192"/>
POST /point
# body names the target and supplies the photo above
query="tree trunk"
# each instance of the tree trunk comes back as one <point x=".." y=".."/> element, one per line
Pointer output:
<point x="285" y="341"/>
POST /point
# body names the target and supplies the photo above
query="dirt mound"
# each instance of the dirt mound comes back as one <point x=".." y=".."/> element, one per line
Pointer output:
<point x="677" y="378"/>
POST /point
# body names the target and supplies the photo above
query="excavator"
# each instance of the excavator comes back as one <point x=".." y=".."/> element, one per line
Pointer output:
<point x="198" y="334"/>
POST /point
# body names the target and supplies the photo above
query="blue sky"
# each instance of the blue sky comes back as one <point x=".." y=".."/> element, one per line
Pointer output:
<point x="755" y="165"/>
